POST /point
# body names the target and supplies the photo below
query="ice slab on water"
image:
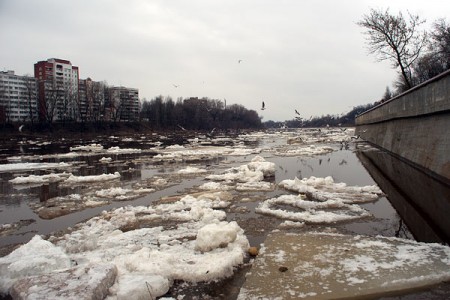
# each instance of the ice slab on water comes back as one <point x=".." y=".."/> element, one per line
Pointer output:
<point x="197" y="245"/>
<point x="82" y="283"/>
<point x="324" y="189"/>
<point x="326" y="265"/>
<point x="32" y="166"/>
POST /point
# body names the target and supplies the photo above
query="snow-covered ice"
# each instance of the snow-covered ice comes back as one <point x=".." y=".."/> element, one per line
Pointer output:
<point x="40" y="179"/>
<point x="323" y="189"/>
<point x="312" y="212"/>
<point x="191" y="170"/>
<point x="254" y="171"/>
<point x="92" y="178"/>
<point x="201" y="247"/>
<point x="33" y="166"/>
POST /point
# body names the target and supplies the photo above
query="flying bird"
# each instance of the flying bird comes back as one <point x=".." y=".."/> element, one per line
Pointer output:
<point x="263" y="106"/>
<point x="239" y="61"/>
<point x="181" y="127"/>
<point x="176" y="85"/>
<point x="21" y="127"/>
<point x="297" y="112"/>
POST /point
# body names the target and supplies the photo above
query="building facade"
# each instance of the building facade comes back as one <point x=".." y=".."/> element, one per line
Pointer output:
<point x="91" y="96"/>
<point x="58" y="89"/>
<point x="122" y="104"/>
<point x="18" y="98"/>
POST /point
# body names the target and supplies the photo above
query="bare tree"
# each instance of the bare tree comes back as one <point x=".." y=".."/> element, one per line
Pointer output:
<point x="48" y="106"/>
<point x="395" y="38"/>
<point x="440" y="42"/>
<point x="387" y="94"/>
<point x="31" y="89"/>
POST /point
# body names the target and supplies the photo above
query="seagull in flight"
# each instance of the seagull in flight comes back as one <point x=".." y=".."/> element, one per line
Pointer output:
<point x="181" y="127"/>
<point x="297" y="112"/>
<point x="239" y="61"/>
<point x="263" y="106"/>
<point x="176" y="85"/>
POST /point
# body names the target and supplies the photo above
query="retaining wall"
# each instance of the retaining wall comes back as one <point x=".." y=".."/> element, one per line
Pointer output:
<point x="414" y="126"/>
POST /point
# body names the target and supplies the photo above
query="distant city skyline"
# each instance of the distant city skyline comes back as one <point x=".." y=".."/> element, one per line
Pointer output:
<point x="311" y="56"/>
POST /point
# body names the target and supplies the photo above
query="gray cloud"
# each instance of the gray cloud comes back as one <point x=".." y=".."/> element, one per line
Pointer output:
<point x="308" y="55"/>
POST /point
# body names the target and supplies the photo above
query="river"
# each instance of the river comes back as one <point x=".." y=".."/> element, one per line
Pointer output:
<point x="149" y="169"/>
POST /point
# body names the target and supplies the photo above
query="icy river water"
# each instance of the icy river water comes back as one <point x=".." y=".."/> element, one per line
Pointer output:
<point x="107" y="194"/>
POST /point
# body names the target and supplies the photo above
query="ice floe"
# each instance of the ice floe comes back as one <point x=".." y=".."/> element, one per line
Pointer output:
<point x="40" y="179"/>
<point x="33" y="166"/>
<point x="308" y="150"/>
<point x="199" y="247"/>
<point x="105" y="159"/>
<point x="92" y="178"/>
<point x="254" y="171"/>
<point x="324" y="189"/>
<point x="118" y="150"/>
<point x="312" y="212"/>
<point x="88" y="148"/>
<point x="191" y="170"/>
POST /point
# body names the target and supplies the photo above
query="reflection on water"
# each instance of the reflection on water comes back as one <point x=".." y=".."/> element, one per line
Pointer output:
<point x="422" y="202"/>
<point x="343" y="165"/>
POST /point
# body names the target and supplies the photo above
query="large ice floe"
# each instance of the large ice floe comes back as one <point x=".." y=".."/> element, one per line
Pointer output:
<point x="254" y="171"/>
<point x="319" y="265"/>
<point x="92" y="178"/>
<point x="33" y="166"/>
<point x="308" y="150"/>
<point x="197" y="245"/>
<point x="321" y="200"/>
<point x="40" y="179"/>
<point x="323" y="189"/>
<point x="178" y="154"/>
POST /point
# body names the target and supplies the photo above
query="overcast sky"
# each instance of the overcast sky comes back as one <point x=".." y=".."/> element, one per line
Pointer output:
<point x="304" y="55"/>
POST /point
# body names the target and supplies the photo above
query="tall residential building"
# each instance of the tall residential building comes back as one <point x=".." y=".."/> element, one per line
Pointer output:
<point x="58" y="89"/>
<point x="18" y="97"/>
<point x="121" y="104"/>
<point x="91" y="97"/>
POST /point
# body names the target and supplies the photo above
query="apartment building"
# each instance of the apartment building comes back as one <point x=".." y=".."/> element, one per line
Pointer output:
<point x="122" y="104"/>
<point x="58" y="89"/>
<point x="18" y="97"/>
<point x="91" y="96"/>
<point x="56" y="93"/>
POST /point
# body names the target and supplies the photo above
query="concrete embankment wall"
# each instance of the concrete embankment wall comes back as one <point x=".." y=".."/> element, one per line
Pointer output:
<point x="415" y="126"/>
